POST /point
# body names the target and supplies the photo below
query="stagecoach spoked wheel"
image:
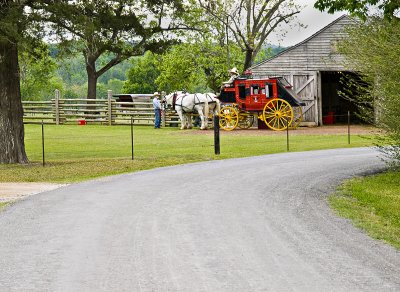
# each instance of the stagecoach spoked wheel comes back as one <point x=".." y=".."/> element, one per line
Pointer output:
<point x="278" y="114"/>
<point x="228" y="118"/>
<point x="246" y="120"/>
<point x="297" y="116"/>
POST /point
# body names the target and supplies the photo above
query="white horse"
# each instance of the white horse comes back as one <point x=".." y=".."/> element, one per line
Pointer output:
<point x="187" y="103"/>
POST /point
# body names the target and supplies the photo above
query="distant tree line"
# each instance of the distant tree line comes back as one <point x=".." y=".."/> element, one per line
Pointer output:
<point x="193" y="67"/>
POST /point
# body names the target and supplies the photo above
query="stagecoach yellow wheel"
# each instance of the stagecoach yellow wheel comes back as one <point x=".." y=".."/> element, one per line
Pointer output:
<point x="246" y="120"/>
<point x="228" y="118"/>
<point x="297" y="117"/>
<point x="277" y="114"/>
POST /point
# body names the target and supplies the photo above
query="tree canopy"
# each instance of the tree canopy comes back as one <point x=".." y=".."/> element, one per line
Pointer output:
<point x="196" y="67"/>
<point x="360" y="8"/>
<point x="250" y="22"/>
<point x="38" y="74"/>
<point x="118" y="28"/>
<point x="142" y="75"/>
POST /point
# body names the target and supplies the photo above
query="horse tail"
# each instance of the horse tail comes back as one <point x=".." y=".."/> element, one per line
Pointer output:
<point x="217" y="106"/>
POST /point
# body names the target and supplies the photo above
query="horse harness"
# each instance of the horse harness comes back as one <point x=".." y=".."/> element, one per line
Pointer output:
<point x="210" y="98"/>
<point x="175" y="102"/>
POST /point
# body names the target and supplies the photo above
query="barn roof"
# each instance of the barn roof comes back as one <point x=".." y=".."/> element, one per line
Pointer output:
<point x="312" y="54"/>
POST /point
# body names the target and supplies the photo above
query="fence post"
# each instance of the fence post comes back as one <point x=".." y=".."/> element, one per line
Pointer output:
<point x="216" y="135"/>
<point x="132" y="136"/>
<point x="57" y="105"/>
<point x="109" y="97"/>
<point x="43" y="162"/>
<point x="287" y="135"/>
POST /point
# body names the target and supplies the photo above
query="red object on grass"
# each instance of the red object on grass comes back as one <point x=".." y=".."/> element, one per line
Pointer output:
<point x="329" y="119"/>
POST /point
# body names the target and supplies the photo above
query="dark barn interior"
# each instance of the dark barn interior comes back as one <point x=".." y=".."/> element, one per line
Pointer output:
<point x="335" y="106"/>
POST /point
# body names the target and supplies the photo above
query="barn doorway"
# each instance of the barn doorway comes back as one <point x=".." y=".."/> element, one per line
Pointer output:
<point x="334" y="106"/>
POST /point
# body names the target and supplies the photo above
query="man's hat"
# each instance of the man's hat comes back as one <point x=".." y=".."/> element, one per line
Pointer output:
<point x="234" y="70"/>
<point x="156" y="93"/>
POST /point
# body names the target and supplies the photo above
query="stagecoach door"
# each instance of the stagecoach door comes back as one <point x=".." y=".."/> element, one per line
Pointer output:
<point x="242" y="91"/>
<point x="269" y="90"/>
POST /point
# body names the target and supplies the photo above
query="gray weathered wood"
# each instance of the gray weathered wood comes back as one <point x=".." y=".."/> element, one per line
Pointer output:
<point x="318" y="102"/>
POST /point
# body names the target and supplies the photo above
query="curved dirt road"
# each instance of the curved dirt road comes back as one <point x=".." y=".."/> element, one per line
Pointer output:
<point x="254" y="224"/>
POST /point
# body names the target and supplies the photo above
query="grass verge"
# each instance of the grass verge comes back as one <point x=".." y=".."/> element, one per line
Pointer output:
<point x="3" y="205"/>
<point x="373" y="204"/>
<point x="76" y="153"/>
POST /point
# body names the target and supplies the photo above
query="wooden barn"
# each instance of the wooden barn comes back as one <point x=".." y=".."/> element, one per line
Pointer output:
<point x="314" y="68"/>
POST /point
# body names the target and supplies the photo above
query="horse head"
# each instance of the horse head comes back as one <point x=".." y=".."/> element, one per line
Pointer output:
<point x="167" y="99"/>
<point x="170" y="99"/>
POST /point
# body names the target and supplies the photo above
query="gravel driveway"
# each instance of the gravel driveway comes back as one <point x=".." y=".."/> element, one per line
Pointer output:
<point x="251" y="224"/>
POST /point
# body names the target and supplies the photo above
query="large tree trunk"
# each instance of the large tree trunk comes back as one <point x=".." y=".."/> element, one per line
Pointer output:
<point x="248" y="59"/>
<point x="92" y="78"/>
<point x="12" y="146"/>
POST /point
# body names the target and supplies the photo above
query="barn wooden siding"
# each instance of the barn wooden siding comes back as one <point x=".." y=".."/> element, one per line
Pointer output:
<point x="301" y="65"/>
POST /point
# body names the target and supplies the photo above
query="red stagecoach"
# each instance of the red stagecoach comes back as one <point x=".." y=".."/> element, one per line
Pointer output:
<point x="271" y="100"/>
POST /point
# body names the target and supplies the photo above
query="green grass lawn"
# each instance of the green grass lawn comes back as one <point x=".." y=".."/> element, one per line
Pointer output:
<point x="76" y="153"/>
<point x="373" y="204"/>
<point x="3" y="204"/>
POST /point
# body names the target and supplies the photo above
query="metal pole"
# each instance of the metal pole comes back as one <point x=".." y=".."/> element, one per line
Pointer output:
<point x="132" y="136"/>
<point x="43" y="161"/>
<point x="348" y="126"/>
<point x="287" y="135"/>
<point x="216" y="135"/>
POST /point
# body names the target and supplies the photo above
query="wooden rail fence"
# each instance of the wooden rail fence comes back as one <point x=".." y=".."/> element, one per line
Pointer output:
<point x="101" y="111"/>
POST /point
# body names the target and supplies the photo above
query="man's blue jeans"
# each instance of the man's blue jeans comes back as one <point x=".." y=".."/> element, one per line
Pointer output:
<point x="157" y="118"/>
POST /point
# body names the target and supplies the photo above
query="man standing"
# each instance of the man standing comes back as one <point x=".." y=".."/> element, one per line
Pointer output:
<point x="157" y="110"/>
